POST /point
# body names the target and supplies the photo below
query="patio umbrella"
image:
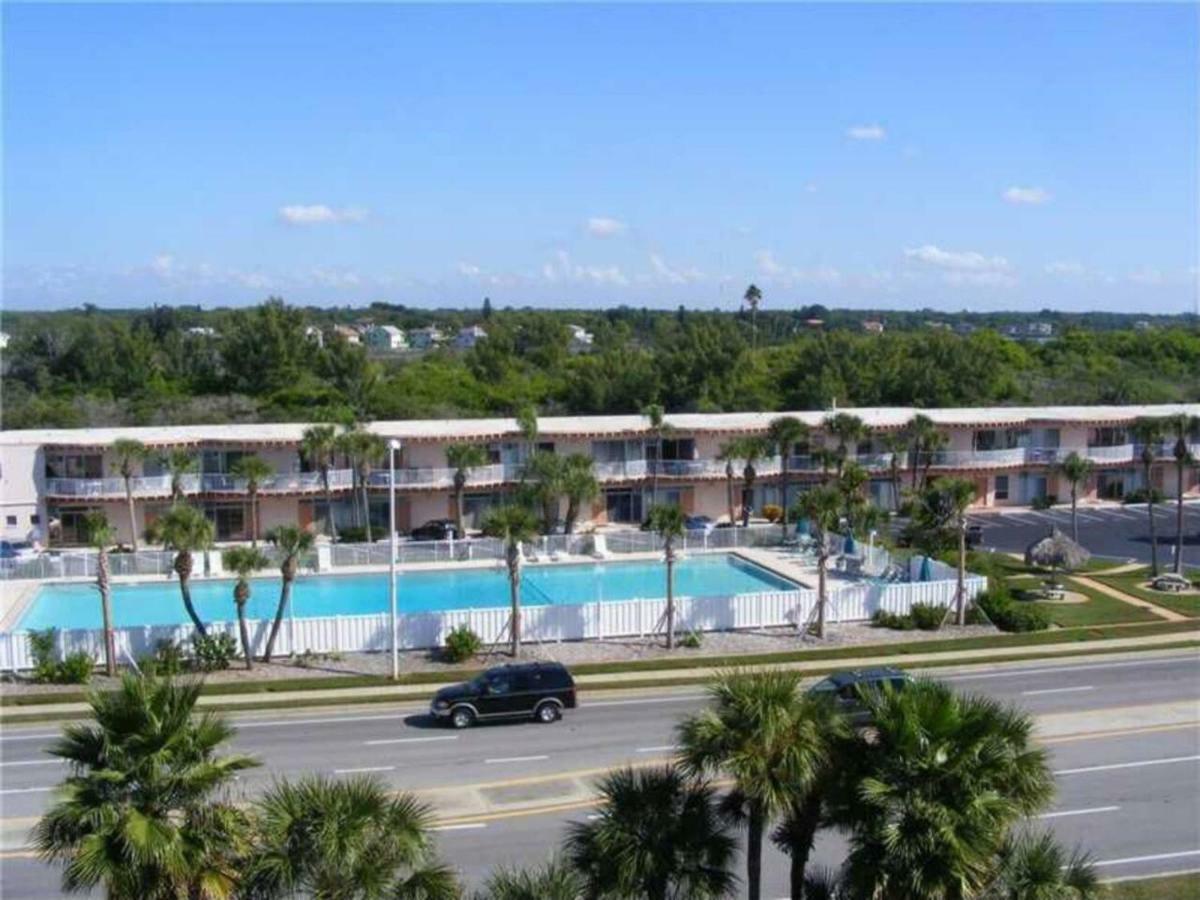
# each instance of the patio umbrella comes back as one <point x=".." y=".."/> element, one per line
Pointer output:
<point x="926" y="571"/>
<point x="1056" y="551"/>
<point x="849" y="547"/>
<point x="803" y="527"/>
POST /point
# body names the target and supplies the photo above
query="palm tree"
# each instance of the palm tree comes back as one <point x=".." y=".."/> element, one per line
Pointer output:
<point x="1149" y="433"/>
<point x="941" y="508"/>
<point x="782" y="434"/>
<point x="255" y="470"/>
<point x="318" y="445"/>
<point x="185" y="530"/>
<point x="363" y="449"/>
<point x="895" y="445"/>
<point x="292" y="543"/>
<point x="345" y="840"/>
<point x="1076" y="470"/>
<point x="527" y="425"/>
<point x="514" y="525"/>
<point x="579" y="484"/>
<point x="822" y="506"/>
<point x="547" y="470"/>
<point x="753" y="298"/>
<point x="1181" y="426"/>
<point x="924" y="440"/>
<point x="243" y="561"/>
<point x="727" y="453"/>
<point x="753" y="449"/>
<point x="659" y="428"/>
<point x="754" y="733"/>
<point x="849" y="430"/>
<point x="658" y="835"/>
<point x="668" y="523"/>
<point x="930" y="795"/>
<point x="139" y="815"/>
<point x="128" y="452"/>
<point x="462" y="458"/>
<point x="101" y="536"/>
<point x="179" y="463"/>
<point x="1036" y="867"/>
<point x="555" y="880"/>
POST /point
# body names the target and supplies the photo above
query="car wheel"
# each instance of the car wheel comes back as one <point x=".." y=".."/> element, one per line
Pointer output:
<point x="462" y="717"/>
<point x="547" y="713"/>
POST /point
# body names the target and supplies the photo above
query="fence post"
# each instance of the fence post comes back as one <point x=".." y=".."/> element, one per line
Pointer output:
<point x="337" y="634"/>
<point x="12" y="650"/>
<point x="599" y="622"/>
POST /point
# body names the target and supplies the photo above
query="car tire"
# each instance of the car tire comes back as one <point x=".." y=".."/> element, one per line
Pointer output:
<point x="546" y="713"/>
<point x="462" y="717"/>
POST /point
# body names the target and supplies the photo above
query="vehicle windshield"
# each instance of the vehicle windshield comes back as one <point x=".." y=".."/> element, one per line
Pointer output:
<point x="825" y="684"/>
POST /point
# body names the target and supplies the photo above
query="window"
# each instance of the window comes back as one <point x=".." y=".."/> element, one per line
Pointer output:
<point x="11" y="520"/>
<point x="35" y="519"/>
<point x="1001" y="487"/>
<point x="497" y="684"/>
<point x="985" y="440"/>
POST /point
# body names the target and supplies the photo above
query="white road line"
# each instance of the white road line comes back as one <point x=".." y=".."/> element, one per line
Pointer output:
<point x="1166" y="760"/>
<point x="1170" y="660"/>
<point x="1025" y="522"/>
<point x="364" y="769"/>
<point x="465" y="826"/>
<point x="661" y="749"/>
<point x="29" y="737"/>
<point x="593" y="817"/>
<point x="417" y="740"/>
<point x="1151" y="858"/>
<point x="1088" y="517"/>
<point x="33" y="790"/>
<point x="35" y="762"/>
<point x="1079" y="812"/>
<point x="1065" y="690"/>
<point x="283" y="723"/>
<point x="508" y="759"/>
<point x="675" y="698"/>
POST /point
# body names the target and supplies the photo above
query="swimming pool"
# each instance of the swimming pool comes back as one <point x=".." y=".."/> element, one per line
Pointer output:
<point x="76" y="605"/>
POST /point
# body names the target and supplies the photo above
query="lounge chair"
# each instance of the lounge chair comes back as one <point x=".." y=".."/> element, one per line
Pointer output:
<point x="600" y="547"/>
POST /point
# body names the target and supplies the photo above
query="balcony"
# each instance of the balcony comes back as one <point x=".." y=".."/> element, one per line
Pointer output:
<point x="1121" y="453"/>
<point x="979" y="459"/>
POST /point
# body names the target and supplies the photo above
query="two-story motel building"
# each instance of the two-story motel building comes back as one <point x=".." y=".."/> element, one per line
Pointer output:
<point x="49" y="479"/>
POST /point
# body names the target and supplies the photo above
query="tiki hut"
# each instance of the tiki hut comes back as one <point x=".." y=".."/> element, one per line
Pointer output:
<point x="1056" y="551"/>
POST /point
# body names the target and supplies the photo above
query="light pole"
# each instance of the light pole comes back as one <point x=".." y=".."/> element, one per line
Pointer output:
<point x="393" y="446"/>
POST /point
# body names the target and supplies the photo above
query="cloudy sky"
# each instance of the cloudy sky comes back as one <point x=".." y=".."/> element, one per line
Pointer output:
<point x="981" y="157"/>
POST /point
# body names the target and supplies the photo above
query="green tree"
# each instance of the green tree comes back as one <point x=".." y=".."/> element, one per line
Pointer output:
<point x="668" y="523"/>
<point x="728" y="453"/>
<point x="580" y="486"/>
<point x="527" y="425"/>
<point x="344" y="840"/>
<point x="179" y="463"/>
<point x="1036" y="867"/>
<point x="1181" y="427"/>
<point x="924" y="441"/>
<point x="514" y="525"/>
<point x="753" y="298"/>
<point x="184" y="530"/>
<point x="753" y="449"/>
<point x="291" y="543"/>
<point x="1149" y="434"/>
<point x="940" y="516"/>
<point x="849" y="430"/>
<point x="822" y="507"/>
<point x="542" y="485"/>
<point x="363" y="448"/>
<point x="659" y="429"/>
<point x="140" y="815"/>
<point x="555" y="880"/>
<point x="101" y="535"/>
<point x="462" y="458"/>
<point x="243" y="561"/>
<point x="895" y="445"/>
<point x="783" y="434"/>
<point x="318" y="445"/>
<point x="255" y="470"/>
<point x="128" y="453"/>
<point x="1075" y="469"/>
<point x="658" y="835"/>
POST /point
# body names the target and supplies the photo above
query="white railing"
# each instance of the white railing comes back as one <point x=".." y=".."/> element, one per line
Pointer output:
<point x="966" y="459"/>
<point x="1119" y="453"/>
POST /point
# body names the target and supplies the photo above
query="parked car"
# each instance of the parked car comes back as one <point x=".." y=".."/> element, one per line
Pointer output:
<point x="15" y="553"/>
<point x="539" y="691"/>
<point x="699" y="523"/>
<point x="848" y="688"/>
<point x="974" y="536"/>
<point x="434" y="530"/>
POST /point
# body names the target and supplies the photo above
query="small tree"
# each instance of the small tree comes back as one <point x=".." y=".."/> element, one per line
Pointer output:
<point x="255" y="470"/>
<point x="753" y="298"/>
<point x="1181" y="427"/>
<point x="185" y="530"/>
<point x="527" y="425"/>
<point x="782" y="434"/>
<point x="1149" y="433"/>
<point x="128" y="453"/>
<point x="753" y="449"/>
<point x="1076" y="470"/>
<point x="668" y="523"/>
<point x="318" y="445"/>
<point x="101" y="535"/>
<point x="543" y="486"/>
<point x="849" y="430"/>
<point x="363" y="449"/>
<point x="292" y="543"/>
<point x="941" y="511"/>
<point x="514" y="525"/>
<point x="243" y="561"/>
<point x="179" y="463"/>
<point x="728" y="453"/>
<point x="896" y="445"/>
<point x="924" y="440"/>
<point x="462" y="458"/>
<point x="580" y="485"/>
<point x="822" y="506"/>
<point x="659" y="429"/>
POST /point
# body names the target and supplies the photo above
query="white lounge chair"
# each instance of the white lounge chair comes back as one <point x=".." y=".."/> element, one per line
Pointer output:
<point x="600" y="547"/>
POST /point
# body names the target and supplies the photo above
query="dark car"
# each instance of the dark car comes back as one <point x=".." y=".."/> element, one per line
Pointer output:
<point x="539" y="690"/>
<point x="699" y="523"/>
<point x="847" y="689"/>
<point x="434" y="530"/>
<point x="974" y="536"/>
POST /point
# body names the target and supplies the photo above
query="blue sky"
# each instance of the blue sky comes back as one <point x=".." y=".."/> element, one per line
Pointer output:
<point x="965" y="157"/>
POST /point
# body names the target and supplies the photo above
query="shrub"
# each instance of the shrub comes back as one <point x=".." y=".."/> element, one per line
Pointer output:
<point x="1008" y="614"/>
<point x="927" y="616"/>
<point x="884" y="619"/>
<point x="77" y="668"/>
<point x="167" y="661"/>
<point x="690" y="639"/>
<point x="352" y="534"/>
<point x="1142" y="495"/>
<point x="1044" y="502"/>
<point x="461" y="644"/>
<point x="42" y="646"/>
<point x="214" y="652"/>
<point x="772" y="512"/>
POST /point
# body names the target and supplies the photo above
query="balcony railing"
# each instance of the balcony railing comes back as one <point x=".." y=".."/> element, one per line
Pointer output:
<point x="969" y="459"/>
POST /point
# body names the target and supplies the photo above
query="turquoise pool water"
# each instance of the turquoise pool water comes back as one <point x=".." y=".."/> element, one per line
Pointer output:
<point x="77" y="605"/>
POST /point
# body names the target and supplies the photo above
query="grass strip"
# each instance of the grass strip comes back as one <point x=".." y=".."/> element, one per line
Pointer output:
<point x="1166" y="887"/>
<point x="1133" y="583"/>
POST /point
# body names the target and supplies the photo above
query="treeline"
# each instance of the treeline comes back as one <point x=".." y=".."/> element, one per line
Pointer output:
<point x="90" y="367"/>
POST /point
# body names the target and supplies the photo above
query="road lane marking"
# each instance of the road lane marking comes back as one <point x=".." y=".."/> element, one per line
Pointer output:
<point x="1116" y="732"/>
<point x="279" y="723"/>
<point x="35" y="762"/>
<point x="1062" y="690"/>
<point x="1151" y="858"/>
<point x="1166" y="760"/>
<point x="1091" y="667"/>
<point x="664" y="747"/>
<point x="1079" y="812"/>
<point x="29" y="737"/>
<point x="362" y="769"/>
<point x="465" y="826"/>
<point x="677" y="698"/>
<point x="508" y="759"/>
<point x="416" y="740"/>
<point x="32" y="790"/>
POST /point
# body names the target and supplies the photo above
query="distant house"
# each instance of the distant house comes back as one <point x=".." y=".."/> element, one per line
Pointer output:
<point x="815" y="324"/>
<point x="872" y="326"/>
<point x="202" y="331"/>
<point x="581" y="339"/>
<point x="1139" y="325"/>
<point x="425" y="338"/>
<point x="936" y="325"/>
<point x="469" y="336"/>
<point x="3" y="340"/>
<point x="385" y="337"/>
<point x="1039" y="329"/>
<point x="347" y="334"/>
<point x="964" y="328"/>
<point x="314" y="334"/>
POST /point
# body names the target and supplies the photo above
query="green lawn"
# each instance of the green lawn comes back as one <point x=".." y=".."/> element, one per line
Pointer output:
<point x="1099" y="610"/>
<point x="1170" y="887"/>
<point x="1131" y="583"/>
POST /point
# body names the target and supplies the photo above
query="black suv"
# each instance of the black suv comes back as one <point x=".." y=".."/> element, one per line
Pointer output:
<point x="434" y="530"/>
<point x="847" y="689"/>
<point x="540" y="690"/>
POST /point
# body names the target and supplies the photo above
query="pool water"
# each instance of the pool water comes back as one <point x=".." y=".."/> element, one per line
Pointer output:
<point x="77" y="605"/>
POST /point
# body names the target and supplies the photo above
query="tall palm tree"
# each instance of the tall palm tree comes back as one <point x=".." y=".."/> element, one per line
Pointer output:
<point x="363" y="448"/>
<point x="828" y="459"/>
<point x="942" y="508"/>
<point x="243" y="561"/>
<point x="580" y="485"/>
<point x="1181" y="427"/>
<point x="924" y="440"/>
<point x="752" y="733"/>
<point x="822" y="506"/>
<point x="849" y="429"/>
<point x="527" y="425"/>
<point x="728" y="453"/>
<point x="462" y="458"/>
<point x="1149" y="433"/>
<point x="753" y="449"/>
<point x="543" y="485"/>
<point x="895" y="445"/>
<point x="179" y="463"/>
<point x="783" y="434"/>
<point x="514" y="525"/>
<point x="185" y="530"/>
<point x="128" y="452"/>
<point x="1036" y="867"/>
<point x="753" y="298"/>
<point x="318" y="445"/>
<point x="291" y="543"/>
<point x="345" y="840"/>
<point x="555" y="880"/>
<point x="255" y="470"/>
<point x="658" y="835"/>
<point x="140" y="814"/>
<point x="101" y="536"/>
<point x="930" y="795"/>
<point x="668" y="523"/>
<point x="1075" y="469"/>
<point x="659" y="429"/>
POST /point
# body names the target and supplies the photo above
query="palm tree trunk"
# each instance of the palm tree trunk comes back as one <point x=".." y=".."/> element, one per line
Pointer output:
<point x="514" y="588"/>
<point x="783" y="500"/>
<point x="458" y="506"/>
<point x="729" y="494"/>
<point x="132" y="517"/>
<point x="960" y="596"/>
<point x="110" y="643"/>
<point x="366" y="502"/>
<point x="821" y="589"/>
<point x="572" y="515"/>
<point x="670" y="597"/>
<point x="754" y="837"/>
<point x="329" y="506"/>
<point x="185" y="589"/>
<point x="285" y="595"/>
<point x="254" y="518"/>
<point x="1179" y="466"/>
<point x="801" y="829"/>
<point x="1074" y="512"/>
<point x="245" y="633"/>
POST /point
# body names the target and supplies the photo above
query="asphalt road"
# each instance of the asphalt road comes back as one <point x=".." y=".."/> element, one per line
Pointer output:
<point x="1138" y="813"/>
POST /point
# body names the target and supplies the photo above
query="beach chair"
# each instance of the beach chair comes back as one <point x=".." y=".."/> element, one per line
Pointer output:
<point x="600" y="547"/>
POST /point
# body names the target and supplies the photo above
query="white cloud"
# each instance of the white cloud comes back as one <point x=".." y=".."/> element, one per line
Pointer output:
<point x="603" y="227"/>
<point x="470" y="270"/>
<point x="767" y="263"/>
<point x="866" y="133"/>
<point x="563" y="269"/>
<point x="1026" y="196"/>
<point x="163" y="265"/>
<point x="956" y="260"/>
<point x="672" y="275"/>
<point x="1147" y="275"/>
<point x="770" y="267"/>
<point x="1066" y="267"/>
<point x="319" y="214"/>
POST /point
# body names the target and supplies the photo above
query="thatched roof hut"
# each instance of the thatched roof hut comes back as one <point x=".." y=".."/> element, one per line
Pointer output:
<point x="1056" y="551"/>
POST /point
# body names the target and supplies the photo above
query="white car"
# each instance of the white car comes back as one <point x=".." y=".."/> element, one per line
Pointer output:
<point x="16" y="553"/>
